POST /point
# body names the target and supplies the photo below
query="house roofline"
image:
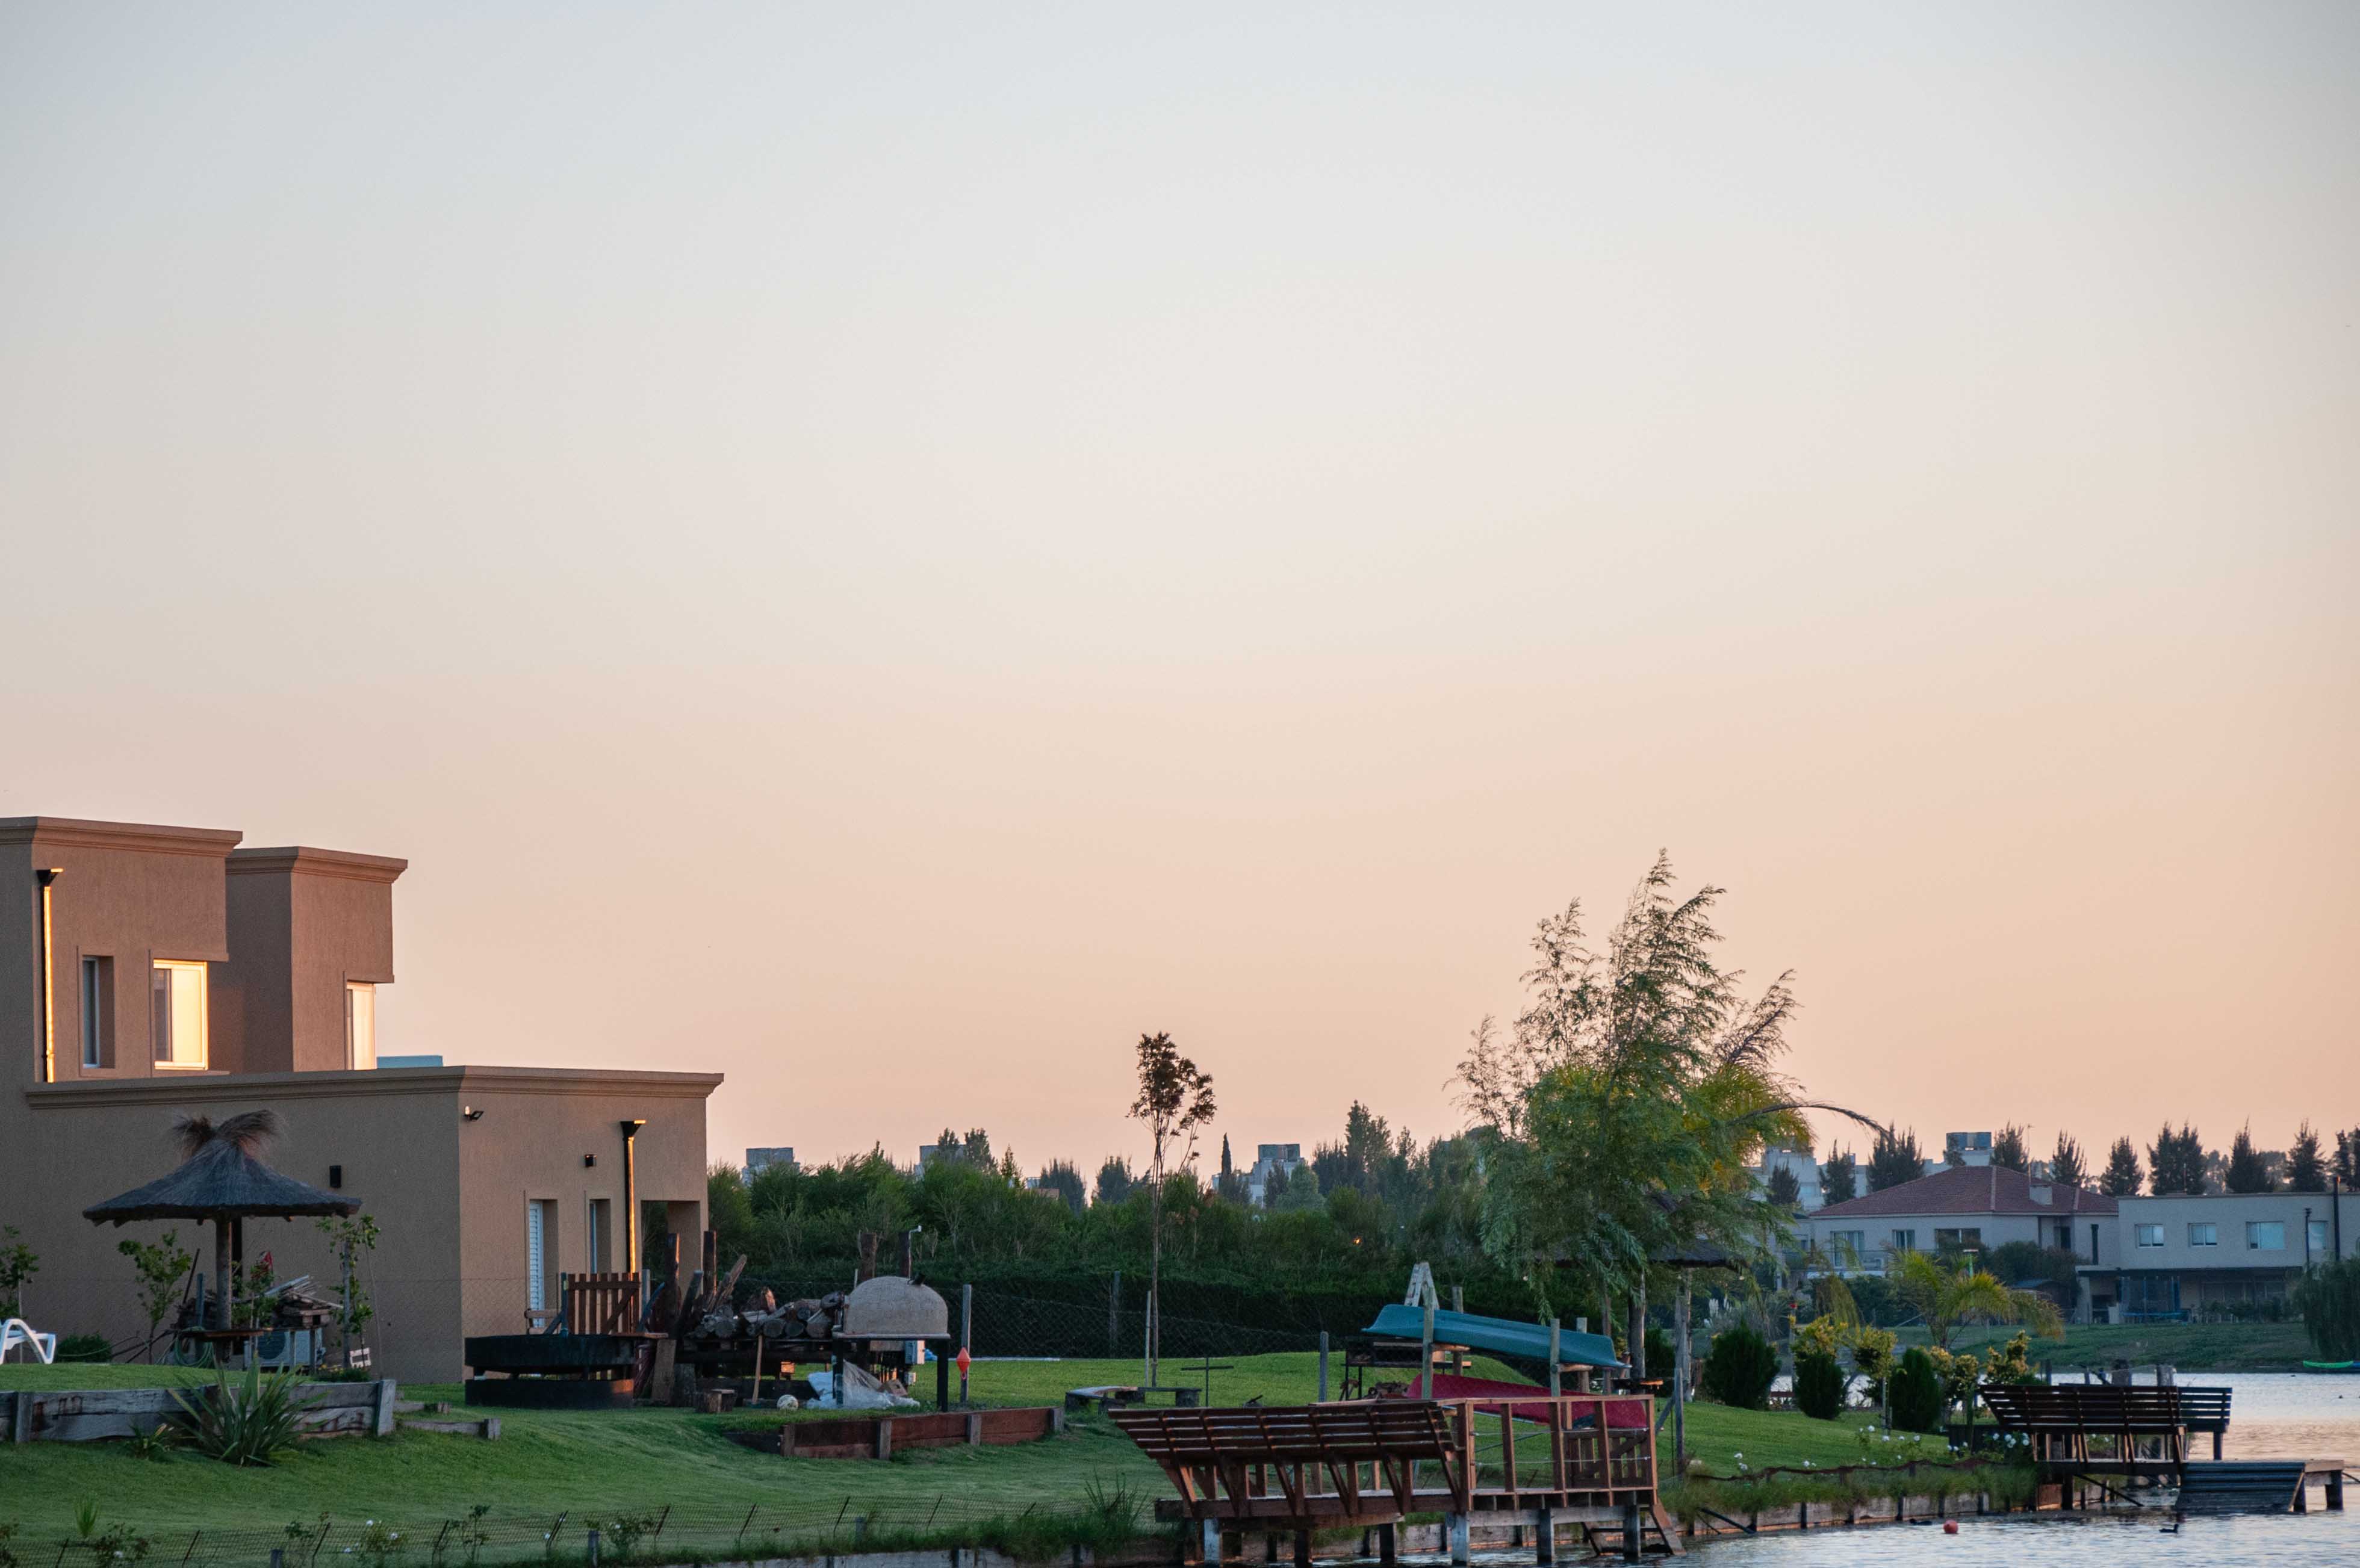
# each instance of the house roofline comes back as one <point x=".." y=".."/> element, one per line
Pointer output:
<point x="77" y="833"/>
<point x="365" y="1082"/>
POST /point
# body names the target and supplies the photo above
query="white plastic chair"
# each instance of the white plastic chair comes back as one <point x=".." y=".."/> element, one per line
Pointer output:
<point x="17" y="1332"/>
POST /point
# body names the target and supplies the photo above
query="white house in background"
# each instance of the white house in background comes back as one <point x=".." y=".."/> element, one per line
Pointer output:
<point x="1806" y="1171"/>
<point x="1273" y="1166"/>
<point x="1966" y="1208"/>
<point x="2183" y="1255"/>
<point x="1973" y="1149"/>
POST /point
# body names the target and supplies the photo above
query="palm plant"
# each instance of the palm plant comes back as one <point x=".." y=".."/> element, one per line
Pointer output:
<point x="1946" y="1297"/>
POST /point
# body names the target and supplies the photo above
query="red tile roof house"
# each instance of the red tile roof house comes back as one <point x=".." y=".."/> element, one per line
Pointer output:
<point x="1971" y="1207"/>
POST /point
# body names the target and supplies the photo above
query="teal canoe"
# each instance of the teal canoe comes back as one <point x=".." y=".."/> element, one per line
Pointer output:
<point x="2332" y="1366"/>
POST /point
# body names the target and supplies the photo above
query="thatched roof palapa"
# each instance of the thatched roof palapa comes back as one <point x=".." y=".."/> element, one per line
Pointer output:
<point x="220" y="1179"/>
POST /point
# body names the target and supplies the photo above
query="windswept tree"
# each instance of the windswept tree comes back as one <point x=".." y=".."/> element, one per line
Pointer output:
<point x="2305" y="1168"/>
<point x="1175" y="1098"/>
<point x="2347" y="1157"/>
<point x="2247" y="1173"/>
<point x="1948" y="1294"/>
<point x="2009" y="1149"/>
<point x="1629" y="1100"/>
<point x="1839" y="1178"/>
<point x="2065" y="1165"/>
<point x="1893" y="1159"/>
<point x="1060" y="1177"/>
<point x="1115" y="1182"/>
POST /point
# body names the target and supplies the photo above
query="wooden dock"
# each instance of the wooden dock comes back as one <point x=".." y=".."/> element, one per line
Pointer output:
<point x="1586" y="1459"/>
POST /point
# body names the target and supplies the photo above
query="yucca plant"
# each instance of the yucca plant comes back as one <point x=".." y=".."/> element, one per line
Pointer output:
<point x="251" y="1421"/>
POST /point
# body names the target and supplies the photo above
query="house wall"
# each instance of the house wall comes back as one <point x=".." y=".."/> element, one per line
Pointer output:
<point x="1998" y="1230"/>
<point x="447" y="1193"/>
<point x="529" y="1144"/>
<point x="2228" y="1213"/>
<point x="129" y="892"/>
<point x="302" y="923"/>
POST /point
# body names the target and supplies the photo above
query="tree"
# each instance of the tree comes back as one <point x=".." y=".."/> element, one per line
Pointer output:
<point x="164" y="1268"/>
<point x="2009" y="1151"/>
<point x="2065" y="1165"/>
<point x="1301" y="1193"/>
<point x="1839" y="1179"/>
<point x="1740" y="1368"/>
<point x="1114" y="1183"/>
<point x="1626" y="1107"/>
<point x="2329" y="1299"/>
<point x="2306" y="1169"/>
<point x="1917" y="1393"/>
<point x="2123" y="1177"/>
<point x="1946" y="1295"/>
<point x="1061" y="1177"/>
<point x="18" y="1263"/>
<point x="1893" y="1159"/>
<point x="2246" y="1172"/>
<point x="1784" y="1189"/>
<point x="2347" y="1157"/>
<point x="1175" y="1098"/>
<point x="2175" y="1162"/>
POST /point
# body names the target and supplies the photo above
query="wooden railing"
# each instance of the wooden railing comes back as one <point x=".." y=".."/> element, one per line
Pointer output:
<point x="602" y="1303"/>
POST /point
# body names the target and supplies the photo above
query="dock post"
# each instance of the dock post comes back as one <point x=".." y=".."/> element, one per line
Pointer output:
<point x="1323" y="1367"/>
<point x="1633" y="1546"/>
<point x="1388" y="1543"/>
<point x="1302" y="1549"/>
<point x="1208" y="1540"/>
<point x="1543" y="1536"/>
<point x="1454" y="1528"/>
<point x="2335" y="1491"/>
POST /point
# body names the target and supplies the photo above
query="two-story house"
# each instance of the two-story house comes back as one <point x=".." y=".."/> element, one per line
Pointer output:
<point x="147" y="972"/>
<point x="2183" y="1254"/>
<point x="1967" y="1208"/>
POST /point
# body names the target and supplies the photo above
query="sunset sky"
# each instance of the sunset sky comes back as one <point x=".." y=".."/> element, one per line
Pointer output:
<point x="886" y="550"/>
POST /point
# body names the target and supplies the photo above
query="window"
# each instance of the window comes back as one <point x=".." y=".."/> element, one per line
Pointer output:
<point x="1905" y="1241"/>
<point x="2150" y="1236"/>
<point x="2064" y="1241"/>
<point x="360" y="1025"/>
<point x="2204" y="1234"/>
<point x="597" y="1239"/>
<point x="98" y="1012"/>
<point x="2319" y="1236"/>
<point x="1952" y="1240"/>
<point x="179" y="1013"/>
<point x="540" y="1254"/>
<point x="1848" y="1244"/>
<point x="2266" y="1236"/>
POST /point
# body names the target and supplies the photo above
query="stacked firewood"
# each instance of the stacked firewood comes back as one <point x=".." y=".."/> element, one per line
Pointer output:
<point x="713" y="1312"/>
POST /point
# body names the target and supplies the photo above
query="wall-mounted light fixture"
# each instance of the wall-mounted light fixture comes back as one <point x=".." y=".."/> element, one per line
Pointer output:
<point x="336" y="1178"/>
<point x="469" y="1114"/>
<point x="588" y="1161"/>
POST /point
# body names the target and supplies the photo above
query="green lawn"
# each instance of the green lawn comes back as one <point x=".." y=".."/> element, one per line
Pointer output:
<point x="2191" y="1347"/>
<point x="644" y="1461"/>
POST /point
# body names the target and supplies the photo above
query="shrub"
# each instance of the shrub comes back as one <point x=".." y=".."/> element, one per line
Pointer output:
<point x="1820" y="1386"/>
<point x="250" y="1422"/>
<point x="1917" y="1393"/>
<point x="2330" y="1299"/>
<point x="85" y="1348"/>
<point x="1871" y="1358"/>
<point x="1740" y="1368"/>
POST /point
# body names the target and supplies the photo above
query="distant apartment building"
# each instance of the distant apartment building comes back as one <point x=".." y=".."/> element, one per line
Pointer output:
<point x="151" y="972"/>
<point x="2185" y="1256"/>
<point x="1273" y="1167"/>
<point x="1801" y="1164"/>
<point x="1964" y="1209"/>
<point x="1965" y="1148"/>
<point x="761" y="1159"/>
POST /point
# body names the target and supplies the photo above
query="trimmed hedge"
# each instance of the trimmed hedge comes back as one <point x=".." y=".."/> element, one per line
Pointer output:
<point x="1740" y="1368"/>
<point x="1820" y="1386"/>
<point x="1917" y="1393"/>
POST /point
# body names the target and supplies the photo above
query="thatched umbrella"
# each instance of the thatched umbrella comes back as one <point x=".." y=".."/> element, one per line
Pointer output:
<point x="220" y="1179"/>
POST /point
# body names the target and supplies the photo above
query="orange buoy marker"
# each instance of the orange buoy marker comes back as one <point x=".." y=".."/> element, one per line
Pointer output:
<point x="1949" y="1527"/>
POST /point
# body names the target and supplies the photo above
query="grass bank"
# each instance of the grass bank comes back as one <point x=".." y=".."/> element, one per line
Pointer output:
<point x="632" y="1468"/>
<point x="2190" y="1347"/>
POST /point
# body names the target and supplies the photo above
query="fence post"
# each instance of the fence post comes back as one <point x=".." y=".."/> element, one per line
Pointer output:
<point x="1323" y="1366"/>
<point x="594" y="1546"/>
<point x="966" y="1334"/>
<point x="1114" y="1317"/>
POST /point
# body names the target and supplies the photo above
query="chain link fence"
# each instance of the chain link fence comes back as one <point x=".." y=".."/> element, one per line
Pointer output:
<point x="833" y="1523"/>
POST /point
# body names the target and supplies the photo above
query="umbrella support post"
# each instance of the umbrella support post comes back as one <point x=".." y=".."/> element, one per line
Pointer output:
<point x="221" y="1269"/>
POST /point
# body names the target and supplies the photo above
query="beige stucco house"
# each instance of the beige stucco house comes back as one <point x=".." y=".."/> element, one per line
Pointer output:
<point x="146" y="972"/>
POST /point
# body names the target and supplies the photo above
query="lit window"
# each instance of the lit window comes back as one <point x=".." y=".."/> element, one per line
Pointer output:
<point x="2319" y="1236"/>
<point x="2204" y="1234"/>
<point x="98" y="1012"/>
<point x="179" y="1013"/>
<point x="2266" y="1236"/>
<point x="2150" y="1236"/>
<point x="1950" y="1240"/>
<point x="360" y="1025"/>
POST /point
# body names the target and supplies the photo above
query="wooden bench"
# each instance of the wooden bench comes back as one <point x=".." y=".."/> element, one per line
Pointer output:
<point x="2063" y="1419"/>
<point x="1300" y="1466"/>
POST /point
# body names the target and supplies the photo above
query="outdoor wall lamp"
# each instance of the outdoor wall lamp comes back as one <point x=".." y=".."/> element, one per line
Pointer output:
<point x="588" y="1161"/>
<point x="469" y="1114"/>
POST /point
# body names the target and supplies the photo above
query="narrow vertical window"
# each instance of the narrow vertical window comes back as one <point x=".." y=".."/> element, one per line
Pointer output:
<point x="178" y="1013"/>
<point x="98" y="1012"/>
<point x="536" y="1253"/>
<point x="597" y="1239"/>
<point x="360" y="1026"/>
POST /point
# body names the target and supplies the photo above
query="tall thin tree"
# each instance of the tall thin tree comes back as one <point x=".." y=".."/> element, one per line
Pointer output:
<point x="2123" y="1177"/>
<point x="1175" y="1098"/>
<point x="2065" y="1165"/>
